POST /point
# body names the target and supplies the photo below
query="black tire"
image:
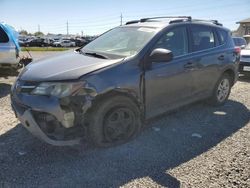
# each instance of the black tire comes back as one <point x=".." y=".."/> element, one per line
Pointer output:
<point x="105" y="129"/>
<point x="220" y="95"/>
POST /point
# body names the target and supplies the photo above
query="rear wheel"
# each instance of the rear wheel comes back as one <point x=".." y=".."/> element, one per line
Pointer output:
<point x="222" y="91"/>
<point x="114" y="121"/>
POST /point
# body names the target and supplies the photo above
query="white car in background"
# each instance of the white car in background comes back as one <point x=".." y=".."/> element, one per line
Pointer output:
<point x="64" y="43"/>
<point x="245" y="60"/>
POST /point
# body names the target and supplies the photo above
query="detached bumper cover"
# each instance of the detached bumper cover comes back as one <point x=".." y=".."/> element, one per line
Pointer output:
<point x="30" y="124"/>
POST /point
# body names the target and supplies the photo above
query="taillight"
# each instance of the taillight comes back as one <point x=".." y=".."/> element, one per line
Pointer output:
<point x="237" y="50"/>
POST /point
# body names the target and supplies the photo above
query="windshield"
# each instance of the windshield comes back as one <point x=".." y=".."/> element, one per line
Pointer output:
<point x="122" y="41"/>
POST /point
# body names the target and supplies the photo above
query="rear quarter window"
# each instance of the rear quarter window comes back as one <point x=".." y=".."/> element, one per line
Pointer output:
<point x="3" y="36"/>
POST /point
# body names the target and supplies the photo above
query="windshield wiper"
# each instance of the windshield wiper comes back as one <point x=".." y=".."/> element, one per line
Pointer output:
<point x="94" y="54"/>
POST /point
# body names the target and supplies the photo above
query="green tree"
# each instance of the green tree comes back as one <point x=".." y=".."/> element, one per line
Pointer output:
<point x="38" y="34"/>
<point x="23" y="32"/>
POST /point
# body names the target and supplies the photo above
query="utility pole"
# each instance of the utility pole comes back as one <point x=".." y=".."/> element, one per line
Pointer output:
<point x="38" y="28"/>
<point x="67" y="28"/>
<point x="121" y="18"/>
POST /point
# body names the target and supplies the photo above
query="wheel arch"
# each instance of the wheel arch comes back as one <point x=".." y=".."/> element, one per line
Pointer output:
<point x="116" y="92"/>
<point x="232" y="75"/>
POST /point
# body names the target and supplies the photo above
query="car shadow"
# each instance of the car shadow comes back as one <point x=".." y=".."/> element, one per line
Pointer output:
<point x="166" y="143"/>
<point x="4" y="89"/>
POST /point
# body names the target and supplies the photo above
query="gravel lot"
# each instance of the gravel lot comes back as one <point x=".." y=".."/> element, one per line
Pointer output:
<point x="196" y="146"/>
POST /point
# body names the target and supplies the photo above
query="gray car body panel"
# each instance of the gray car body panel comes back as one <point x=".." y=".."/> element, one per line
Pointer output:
<point x="68" y="66"/>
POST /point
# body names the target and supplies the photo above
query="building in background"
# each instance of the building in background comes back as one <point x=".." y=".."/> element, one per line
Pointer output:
<point x="244" y="29"/>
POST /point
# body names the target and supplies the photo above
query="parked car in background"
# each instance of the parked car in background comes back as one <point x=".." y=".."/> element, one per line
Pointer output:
<point x="79" y="42"/>
<point x="9" y="47"/>
<point x="49" y="41"/>
<point x="240" y="42"/>
<point x="89" y="39"/>
<point x="245" y="60"/>
<point x="64" y="43"/>
<point x="39" y="42"/>
<point x="21" y="43"/>
<point x="132" y="73"/>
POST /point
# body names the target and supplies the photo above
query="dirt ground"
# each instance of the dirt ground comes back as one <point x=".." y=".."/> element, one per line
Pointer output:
<point x="195" y="146"/>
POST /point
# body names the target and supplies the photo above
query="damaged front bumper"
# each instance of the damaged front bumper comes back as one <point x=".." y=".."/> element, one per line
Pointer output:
<point x="58" y="122"/>
<point x="30" y="124"/>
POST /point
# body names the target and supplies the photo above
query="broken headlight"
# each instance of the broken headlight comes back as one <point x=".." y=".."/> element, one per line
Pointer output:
<point x="57" y="89"/>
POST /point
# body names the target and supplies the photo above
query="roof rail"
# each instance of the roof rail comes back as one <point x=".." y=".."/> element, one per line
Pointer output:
<point x="210" y="21"/>
<point x="189" y="18"/>
<point x="132" y="22"/>
<point x="177" y="20"/>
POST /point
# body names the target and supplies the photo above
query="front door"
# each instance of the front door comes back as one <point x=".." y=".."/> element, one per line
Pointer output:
<point x="169" y="84"/>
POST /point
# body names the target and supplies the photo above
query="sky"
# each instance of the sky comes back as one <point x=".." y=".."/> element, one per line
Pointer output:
<point x="95" y="16"/>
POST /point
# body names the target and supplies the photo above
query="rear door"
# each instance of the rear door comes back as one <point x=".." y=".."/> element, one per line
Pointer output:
<point x="169" y="84"/>
<point x="207" y="58"/>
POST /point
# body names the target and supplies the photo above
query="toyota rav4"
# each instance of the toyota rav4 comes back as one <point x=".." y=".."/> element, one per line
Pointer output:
<point x="107" y="89"/>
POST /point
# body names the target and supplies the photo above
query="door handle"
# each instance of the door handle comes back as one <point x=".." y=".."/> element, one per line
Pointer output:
<point x="189" y="65"/>
<point x="221" y="57"/>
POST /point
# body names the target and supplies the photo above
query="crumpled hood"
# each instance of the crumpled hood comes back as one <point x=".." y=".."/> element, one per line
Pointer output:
<point x="68" y="66"/>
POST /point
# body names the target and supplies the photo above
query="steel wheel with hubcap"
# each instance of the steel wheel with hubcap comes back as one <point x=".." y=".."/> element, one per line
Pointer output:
<point x="119" y="124"/>
<point x="114" y="122"/>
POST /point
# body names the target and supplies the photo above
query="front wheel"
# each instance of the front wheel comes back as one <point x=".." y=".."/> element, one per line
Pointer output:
<point x="113" y="122"/>
<point x="221" y="91"/>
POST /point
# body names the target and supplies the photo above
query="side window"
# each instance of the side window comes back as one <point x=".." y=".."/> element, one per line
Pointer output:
<point x="202" y="38"/>
<point x="175" y="40"/>
<point x="222" y="36"/>
<point x="3" y="36"/>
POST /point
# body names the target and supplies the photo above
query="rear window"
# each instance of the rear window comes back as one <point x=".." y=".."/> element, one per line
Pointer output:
<point x="222" y="36"/>
<point x="242" y="41"/>
<point x="239" y="41"/>
<point x="202" y="38"/>
<point x="3" y="36"/>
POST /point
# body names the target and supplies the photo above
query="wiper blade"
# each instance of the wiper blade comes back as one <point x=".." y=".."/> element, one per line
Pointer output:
<point x="94" y="54"/>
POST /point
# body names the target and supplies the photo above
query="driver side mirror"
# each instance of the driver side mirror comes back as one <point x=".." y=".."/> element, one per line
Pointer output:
<point x="161" y="55"/>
